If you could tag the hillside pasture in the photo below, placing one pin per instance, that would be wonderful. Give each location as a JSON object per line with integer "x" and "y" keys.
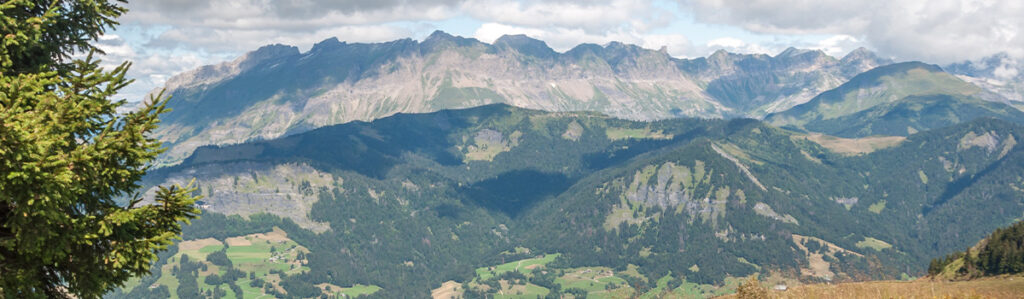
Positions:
{"x": 992, "y": 287}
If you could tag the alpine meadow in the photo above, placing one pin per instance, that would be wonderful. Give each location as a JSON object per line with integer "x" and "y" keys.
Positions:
{"x": 511, "y": 149}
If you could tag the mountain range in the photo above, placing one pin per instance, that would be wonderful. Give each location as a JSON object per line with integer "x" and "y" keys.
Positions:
{"x": 999, "y": 73}
{"x": 277, "y": 91}
{"x": 896, "y": 99}
{"x": 404, "y": 165}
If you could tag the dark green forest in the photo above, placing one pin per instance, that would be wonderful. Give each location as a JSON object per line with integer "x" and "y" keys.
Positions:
{"x": 1002, "y": 252}
{"x": 602, "y": 195}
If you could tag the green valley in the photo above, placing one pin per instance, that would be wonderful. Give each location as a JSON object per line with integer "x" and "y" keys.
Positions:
{"x": 682, "y": 205}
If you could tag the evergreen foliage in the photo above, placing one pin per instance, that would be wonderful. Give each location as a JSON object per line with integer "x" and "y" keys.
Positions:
{"x": 219, "y": 258}
{"x": 67, "y": 155}
{"x": 1002, "y": 252}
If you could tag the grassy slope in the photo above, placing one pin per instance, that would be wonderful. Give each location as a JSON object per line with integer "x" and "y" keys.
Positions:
{"x": 525, "y": 266}
{"x": 877, "y": 86}
{"x": 257, "y": 253}
{"x": 599, "y": 282}
{"x": 898, "y": 99}
{"x": 992, "y": 287}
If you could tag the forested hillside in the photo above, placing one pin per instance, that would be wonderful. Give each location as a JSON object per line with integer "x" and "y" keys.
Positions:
{"x": 1002, "y": 252}
{"x": 410, "y": 201}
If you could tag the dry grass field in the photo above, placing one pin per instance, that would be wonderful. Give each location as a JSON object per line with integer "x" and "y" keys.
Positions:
{"x": 853, "y": 146}
{"x": 991, "y": 287}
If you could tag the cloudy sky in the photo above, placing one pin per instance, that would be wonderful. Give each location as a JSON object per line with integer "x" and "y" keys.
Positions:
{"x": 165, "y": 37}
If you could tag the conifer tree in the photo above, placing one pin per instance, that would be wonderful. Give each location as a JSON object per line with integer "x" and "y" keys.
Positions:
{"x": 72, "y": 223}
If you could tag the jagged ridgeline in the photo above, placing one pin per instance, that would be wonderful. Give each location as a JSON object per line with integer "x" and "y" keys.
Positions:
{"x": 407, "y": 202}
{"x": 277, "y": 90}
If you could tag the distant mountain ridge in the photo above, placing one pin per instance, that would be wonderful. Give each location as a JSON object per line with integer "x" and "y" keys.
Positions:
{"x": 278, "y": 90}
{"x": 897, "y": 99}
{"x": 999, "y": 73}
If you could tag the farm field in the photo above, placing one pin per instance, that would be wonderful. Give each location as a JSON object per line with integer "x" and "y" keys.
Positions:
{"x": 349, "y": 292}
{"x": 258, "y": 263}
{"x": 524, "y": 266}
{"x": 537, "y": 276}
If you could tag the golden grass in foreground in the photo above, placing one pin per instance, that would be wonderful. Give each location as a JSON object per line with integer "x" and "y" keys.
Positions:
{"x": 991, "y": 287}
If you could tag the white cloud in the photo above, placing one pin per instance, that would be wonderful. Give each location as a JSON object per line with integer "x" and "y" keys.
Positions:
{"x": 838, "y": 45}
{"x": 590, "y": 17}
{"x": 734, "y": 45}
{"x": 242, "y": 25}
{"x": 236, "y": 40}
{"x": 564, "y": 39}
{"x": 677, "y": 45}
{"x": 566, "y": 24}
{"x": 939, "y": 31}
{"x": 560, "y": 39}
{"x": 283, "y": 15}
{"x": 149, "y": 69}
{"x": 727, "y": 42}
{"x": 490, "y": 32}
{"x": 184, "y": 34}
{"x": 188, "y": 33}
{"x": 114, "y": 46}
{"x": 1005, "y": 72}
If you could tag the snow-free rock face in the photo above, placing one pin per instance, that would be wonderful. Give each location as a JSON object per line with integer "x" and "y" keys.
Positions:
{"x": 277, "y": 90}
{"x": 211, "y": 74}
{"x": 756, "y": 85}
{"x": 246, "y": 188}
{"x": 861, "y": 60}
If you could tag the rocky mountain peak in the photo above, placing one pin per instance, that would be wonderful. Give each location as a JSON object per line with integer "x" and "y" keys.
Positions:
{"x": 326, "y": 44}
{"x": 525, "y": 45}
{"x": 583, "y": 49}
{"x": 265, "y": 53}
{"x": 860, "y": 53}
{"x": 619, "y": 48}
{"x": 213, "y": 73}
{"x": 720, "y": 54}
{"x": 803, "y": 58}
{"x": 794, "y": 52}
{"x": 440, "y": 40}
{"x": 861, "y": 60}
{"x": 439, "y": 35}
